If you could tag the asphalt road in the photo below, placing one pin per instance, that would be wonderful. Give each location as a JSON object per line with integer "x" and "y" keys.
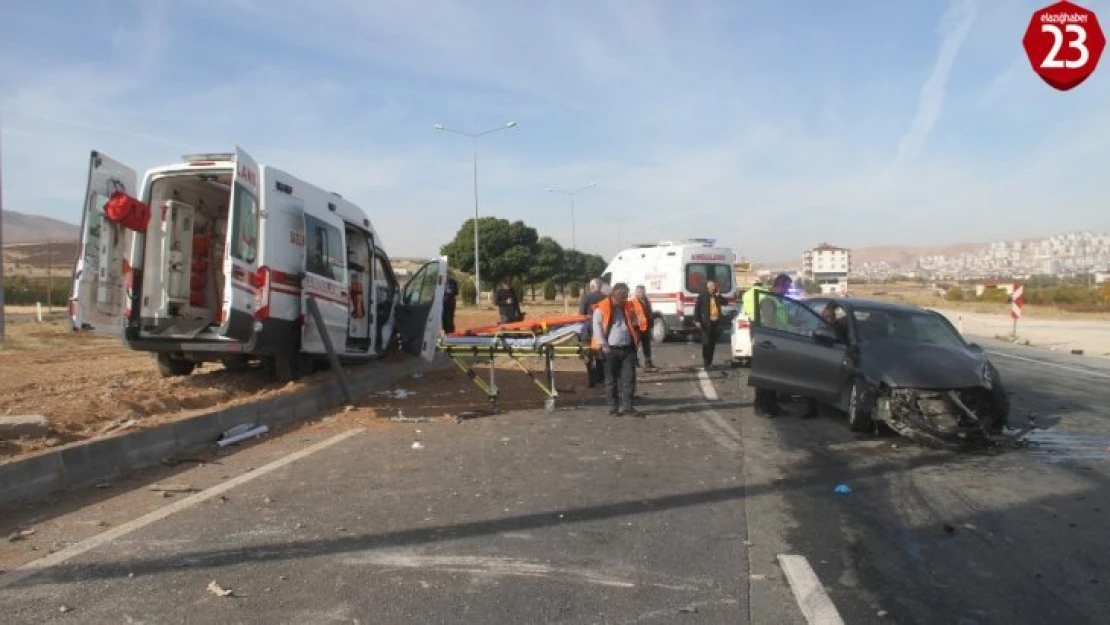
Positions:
{"x": 578, "y": 517}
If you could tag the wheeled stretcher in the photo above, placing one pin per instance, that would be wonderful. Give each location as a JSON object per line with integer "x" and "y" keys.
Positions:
{"x": 546, "y": 339}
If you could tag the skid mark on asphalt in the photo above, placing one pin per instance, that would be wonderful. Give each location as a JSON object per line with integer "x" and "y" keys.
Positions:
{"x": 37, "y": 566}
{"x": 505, "y": 567}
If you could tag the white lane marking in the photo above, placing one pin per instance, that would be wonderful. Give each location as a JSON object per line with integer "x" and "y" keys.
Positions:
{"x": 1047, "y": 363}
{"x": 37, "y": 566}
{"x": 707, "y": 385}
{"x": 722, "y": 439}
{"x": 808, "y": 591}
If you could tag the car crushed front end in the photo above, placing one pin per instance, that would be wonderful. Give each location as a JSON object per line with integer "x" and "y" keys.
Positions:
{"x": 942, "y": 417}
{"x": 955, "y": 401}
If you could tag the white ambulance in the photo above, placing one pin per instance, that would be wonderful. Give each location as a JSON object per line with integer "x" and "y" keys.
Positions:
{"x": 674, "y": 273}
{"x": 217, "y": 261}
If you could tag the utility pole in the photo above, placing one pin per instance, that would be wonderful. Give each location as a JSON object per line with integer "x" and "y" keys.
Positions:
{"x": 474, "y": 136}
{"x": 571, "y": 193}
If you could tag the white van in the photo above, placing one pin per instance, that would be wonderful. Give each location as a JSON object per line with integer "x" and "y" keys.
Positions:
{"x": 674, "y": 273}
{"x": 223, "y": 270}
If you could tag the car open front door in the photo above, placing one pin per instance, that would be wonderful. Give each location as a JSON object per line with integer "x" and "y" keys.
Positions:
{"x": 241, "y": 258}
{"x": 792, "y": 350}
{"x": 102, "y": 277}
{"x": 420, "y": 312}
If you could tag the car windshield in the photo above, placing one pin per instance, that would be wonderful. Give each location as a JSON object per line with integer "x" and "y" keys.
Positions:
{"x": 911, "y": 326}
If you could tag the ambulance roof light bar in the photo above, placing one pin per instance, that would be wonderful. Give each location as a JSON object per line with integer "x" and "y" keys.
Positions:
{"x": 216, "y": 156}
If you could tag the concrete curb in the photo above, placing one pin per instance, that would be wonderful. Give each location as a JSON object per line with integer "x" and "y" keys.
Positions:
{"x": 90, "y": 462}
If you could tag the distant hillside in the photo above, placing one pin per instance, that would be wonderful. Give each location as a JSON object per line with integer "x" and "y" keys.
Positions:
{"x": 24, "y": 228}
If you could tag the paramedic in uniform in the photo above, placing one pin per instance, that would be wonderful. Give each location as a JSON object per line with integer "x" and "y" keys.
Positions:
{"x": 615, "y": 336}
{"x": 595, "y": 365}
{"x": 772, "y": 314}
{"x": 708, "y": 316}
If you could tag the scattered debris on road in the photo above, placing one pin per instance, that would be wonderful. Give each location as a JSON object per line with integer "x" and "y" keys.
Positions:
{"x": 174, "y": 488}
{"x": 219, "y": 591}
{"x": 241, "y": 432}
{"x": 401, "y": 418}
{"x": 65, "y": 609}
{"x": 418, "y": 445}
{"x": 398, "y": 393}
{"x": 20, "y": 535}
{"x": 843, "y": 489}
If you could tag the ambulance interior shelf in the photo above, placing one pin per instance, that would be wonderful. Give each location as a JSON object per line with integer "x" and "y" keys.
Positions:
{"x": 184, "y": 280}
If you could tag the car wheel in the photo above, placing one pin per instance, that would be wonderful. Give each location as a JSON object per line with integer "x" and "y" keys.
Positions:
{"x": 171, "y": 367}
{"x": 658, "y": 330}
{"x": 860, "y": 407}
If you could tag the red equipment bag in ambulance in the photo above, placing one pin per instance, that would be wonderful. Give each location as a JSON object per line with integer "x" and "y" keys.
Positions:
{"x": 127, "y": 212}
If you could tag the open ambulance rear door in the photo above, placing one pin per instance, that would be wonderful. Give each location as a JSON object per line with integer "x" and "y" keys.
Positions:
{"x": 420, "y": 311}
{"x": 102, "y": 275}
{"x": 241, "y": 302}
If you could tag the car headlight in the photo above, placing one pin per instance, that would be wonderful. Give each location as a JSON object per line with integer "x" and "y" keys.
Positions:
{"x": 987, "y": 375}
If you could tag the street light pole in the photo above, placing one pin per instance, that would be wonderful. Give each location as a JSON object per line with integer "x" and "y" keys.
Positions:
{"x": 474, "y": 136}
{"x": 572, "y": 193}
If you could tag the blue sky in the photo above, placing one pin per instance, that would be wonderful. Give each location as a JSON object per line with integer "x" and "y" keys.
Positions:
{"x": 769, "y": 126}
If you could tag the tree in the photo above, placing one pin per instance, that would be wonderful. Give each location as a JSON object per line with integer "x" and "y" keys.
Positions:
{"x": 506, "y": 248}
{"x": 593, "y": 266}
{"x": 572, "y": 271}
{"x": 547, "y": 262}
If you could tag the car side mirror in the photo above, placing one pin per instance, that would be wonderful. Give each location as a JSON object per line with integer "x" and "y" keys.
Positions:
{"x": 825, "y": 334}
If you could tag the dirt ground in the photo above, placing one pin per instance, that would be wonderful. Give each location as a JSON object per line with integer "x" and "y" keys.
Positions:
{"x": 87, "y": 386}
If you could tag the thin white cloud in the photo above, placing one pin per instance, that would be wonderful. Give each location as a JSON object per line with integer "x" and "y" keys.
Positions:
{"x": 955, "y": 25}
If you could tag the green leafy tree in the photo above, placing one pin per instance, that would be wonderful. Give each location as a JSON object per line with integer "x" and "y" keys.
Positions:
{"x": 547, "y": 261}
{"x": 572, "y": 271}
{"x": 549, "y": 290}
{"x": 505, "y": 246}
{"x": 467, "y": 292}
{"x": 593, "y": 267}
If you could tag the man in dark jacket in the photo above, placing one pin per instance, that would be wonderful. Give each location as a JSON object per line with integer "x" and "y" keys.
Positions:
{"x": 649, "y": 315}
{"x": 450, "y": 299}
{"x": 595, "y": 364}
{"x": 508, "y": 304}
{"x": 709, "y": 317}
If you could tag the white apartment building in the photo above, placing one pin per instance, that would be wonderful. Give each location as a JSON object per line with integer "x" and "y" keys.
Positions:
{"x": 828, "y": 266}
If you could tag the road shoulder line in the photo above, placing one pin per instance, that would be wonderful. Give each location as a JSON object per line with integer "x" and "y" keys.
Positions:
{"x": 37, "y": 566}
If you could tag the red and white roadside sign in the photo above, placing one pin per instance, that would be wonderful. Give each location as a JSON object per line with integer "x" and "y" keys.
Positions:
{"x": 1064, "y": 43}
{"x": 1016, "y": 302}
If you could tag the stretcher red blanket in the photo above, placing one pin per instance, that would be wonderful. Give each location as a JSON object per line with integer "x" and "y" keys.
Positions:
{"x": 535, "y": 326}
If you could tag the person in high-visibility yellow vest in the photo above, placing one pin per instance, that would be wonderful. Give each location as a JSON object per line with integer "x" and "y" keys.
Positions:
{"x": 772, "y": 314}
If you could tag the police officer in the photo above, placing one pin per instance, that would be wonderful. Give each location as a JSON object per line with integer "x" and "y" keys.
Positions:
{"x": 772, "y": 314}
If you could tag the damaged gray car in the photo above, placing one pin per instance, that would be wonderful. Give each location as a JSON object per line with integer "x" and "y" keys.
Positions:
{"x": 875, "y": 361}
